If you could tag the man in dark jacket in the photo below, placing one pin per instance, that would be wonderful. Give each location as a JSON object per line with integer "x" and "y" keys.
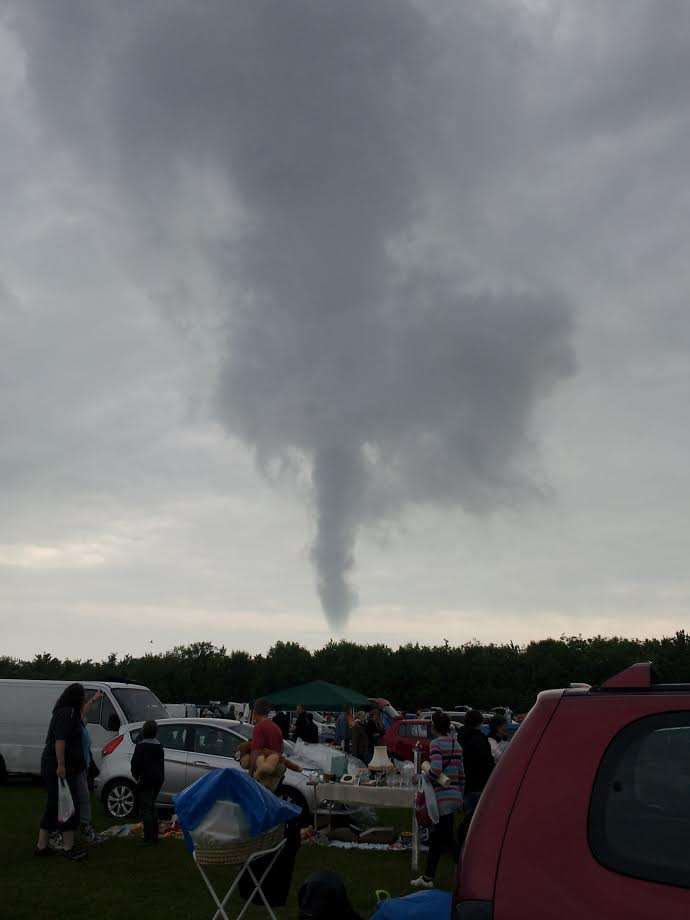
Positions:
{"x": 301, "y": 730}
{"x": 311, "y": 732}
{"x": 148, "y": 769}
{"x": 478, "y": 762}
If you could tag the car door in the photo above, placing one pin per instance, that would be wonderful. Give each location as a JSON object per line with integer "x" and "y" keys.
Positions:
{"x": 213, "y": 748}
{"x": 102, "y": 721}
{"x": 404, "y": 743}
{"x": 174, "y": 737}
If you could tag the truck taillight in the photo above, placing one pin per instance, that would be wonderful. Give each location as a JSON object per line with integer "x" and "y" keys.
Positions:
{"x": 111, "y": 745}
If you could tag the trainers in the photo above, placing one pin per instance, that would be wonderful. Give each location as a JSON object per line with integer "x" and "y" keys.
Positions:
{"x": 422, "y": 882}
{"x": 42, "y": 851}
{"x": 74, "y": 854}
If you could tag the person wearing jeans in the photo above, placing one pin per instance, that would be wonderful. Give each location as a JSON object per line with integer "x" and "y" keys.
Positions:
{"x": 447, "y": 775}
{"x": 148, "y": 769}
{"x": 61, "y": 762}
{"x": 86, "y": 827}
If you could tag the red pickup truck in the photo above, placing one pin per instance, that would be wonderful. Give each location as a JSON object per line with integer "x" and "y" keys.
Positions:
{"x": 587, "y": 814}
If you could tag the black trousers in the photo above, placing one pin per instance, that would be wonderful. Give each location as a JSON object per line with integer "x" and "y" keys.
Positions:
{"x": 441, "y": 837}
{"x": 147, "y": 807}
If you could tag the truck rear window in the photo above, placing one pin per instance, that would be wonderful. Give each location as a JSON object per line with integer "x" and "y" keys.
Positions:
{"x": 639, "y": 818}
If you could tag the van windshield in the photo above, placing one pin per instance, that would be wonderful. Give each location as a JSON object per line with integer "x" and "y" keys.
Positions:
{"x": 139, "y": 705}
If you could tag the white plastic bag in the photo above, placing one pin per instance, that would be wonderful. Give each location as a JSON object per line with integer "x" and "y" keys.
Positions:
{"x": 224, "y": 824}
{"x": 430, "y": 799}
{"x": 320, "y": 757}
{"x": 65, "y": 803}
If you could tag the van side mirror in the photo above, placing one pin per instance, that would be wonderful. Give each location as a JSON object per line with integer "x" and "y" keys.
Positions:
{"x": 113, "y": 723}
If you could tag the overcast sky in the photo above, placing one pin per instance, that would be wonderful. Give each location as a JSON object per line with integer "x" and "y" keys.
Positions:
{"x": 342, "y": 319}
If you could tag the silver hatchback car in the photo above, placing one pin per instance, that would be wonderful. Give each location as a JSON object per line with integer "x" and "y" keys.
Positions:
{"x": 192, "y": 748}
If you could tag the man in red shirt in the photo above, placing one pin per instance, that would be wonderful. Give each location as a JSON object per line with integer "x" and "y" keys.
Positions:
{"x": 266, "y": 736}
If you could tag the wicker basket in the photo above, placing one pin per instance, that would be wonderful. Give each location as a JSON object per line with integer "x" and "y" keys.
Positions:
{"x": 241, "y": 851}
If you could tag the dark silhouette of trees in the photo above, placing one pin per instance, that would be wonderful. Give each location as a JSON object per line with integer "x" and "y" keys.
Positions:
{"x": 410, "y": 676}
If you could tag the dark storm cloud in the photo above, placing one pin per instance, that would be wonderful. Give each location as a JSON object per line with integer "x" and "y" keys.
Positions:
{"x": 329, "y": 128}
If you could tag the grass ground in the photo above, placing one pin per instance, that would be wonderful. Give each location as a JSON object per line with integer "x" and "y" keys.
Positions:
{"x": 122, "y": 880}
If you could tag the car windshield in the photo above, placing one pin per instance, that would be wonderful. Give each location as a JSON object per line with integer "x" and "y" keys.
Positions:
{"x": 139, "y": 705}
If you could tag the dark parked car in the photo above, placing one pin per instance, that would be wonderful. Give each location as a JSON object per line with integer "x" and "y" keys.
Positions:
{"x": 587, "y": 814}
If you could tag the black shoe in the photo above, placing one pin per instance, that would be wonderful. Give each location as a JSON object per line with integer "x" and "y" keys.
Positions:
{"x": 74, "y": 854}
{"x": 42, "y": 852}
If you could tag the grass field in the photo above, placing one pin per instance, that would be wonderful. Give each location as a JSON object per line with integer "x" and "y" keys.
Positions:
{"x": 122, "y": 879}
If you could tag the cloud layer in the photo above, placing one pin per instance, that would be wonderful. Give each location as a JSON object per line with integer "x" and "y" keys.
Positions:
{"x": 368, "y": 239}
{"x": 321, "y": 124}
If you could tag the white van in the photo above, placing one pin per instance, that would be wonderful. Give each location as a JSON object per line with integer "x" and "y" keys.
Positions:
{"x": 27, "y": 705}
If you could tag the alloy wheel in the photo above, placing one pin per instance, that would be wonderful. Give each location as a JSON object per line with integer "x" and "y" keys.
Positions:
{"x": 120, "y": 800}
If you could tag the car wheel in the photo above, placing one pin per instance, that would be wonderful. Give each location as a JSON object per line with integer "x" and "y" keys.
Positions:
{"x": 120, "y": 799}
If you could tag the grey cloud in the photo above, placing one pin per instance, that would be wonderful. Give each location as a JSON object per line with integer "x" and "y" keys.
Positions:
{"x": 329, "y": 129}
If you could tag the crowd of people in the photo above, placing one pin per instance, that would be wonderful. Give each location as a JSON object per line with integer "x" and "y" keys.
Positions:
{"x": 356, "y": 733}
{"x": 459, "y": 766}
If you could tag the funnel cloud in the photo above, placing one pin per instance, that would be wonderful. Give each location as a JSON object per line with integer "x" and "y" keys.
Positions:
{"x": 401, "y": 362}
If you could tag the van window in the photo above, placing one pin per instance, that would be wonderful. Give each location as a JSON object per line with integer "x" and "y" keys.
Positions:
{"x": 93, "y": 716}
{"x": 139, "y": 705}
{"x": 639, "y": 820}
{"x": 109, "y": 718}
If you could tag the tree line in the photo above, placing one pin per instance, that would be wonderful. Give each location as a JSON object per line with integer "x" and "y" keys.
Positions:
{"x": 410, "y": 676}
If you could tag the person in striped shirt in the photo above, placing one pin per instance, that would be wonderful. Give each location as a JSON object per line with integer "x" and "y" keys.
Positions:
{"x": 448, "y": 778}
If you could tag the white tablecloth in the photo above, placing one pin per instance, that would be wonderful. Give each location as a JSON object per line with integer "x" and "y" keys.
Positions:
{"x": 377, "y": 797}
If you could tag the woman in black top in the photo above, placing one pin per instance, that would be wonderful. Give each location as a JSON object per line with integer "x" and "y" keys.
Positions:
{"x": 62, "y": 761}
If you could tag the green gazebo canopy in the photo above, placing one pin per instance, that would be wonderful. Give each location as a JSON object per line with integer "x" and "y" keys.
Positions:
{"x": 317, "y": 694}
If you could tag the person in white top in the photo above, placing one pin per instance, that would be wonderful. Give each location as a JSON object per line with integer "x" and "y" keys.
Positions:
{"x": 498, "y": 736}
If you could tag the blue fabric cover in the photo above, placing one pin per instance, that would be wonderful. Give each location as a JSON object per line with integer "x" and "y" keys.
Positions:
{"x": 262, "y": 809}
{"x": 423, "y": 905}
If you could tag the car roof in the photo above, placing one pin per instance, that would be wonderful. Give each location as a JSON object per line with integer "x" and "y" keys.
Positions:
{"x": 195, "y": 720}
